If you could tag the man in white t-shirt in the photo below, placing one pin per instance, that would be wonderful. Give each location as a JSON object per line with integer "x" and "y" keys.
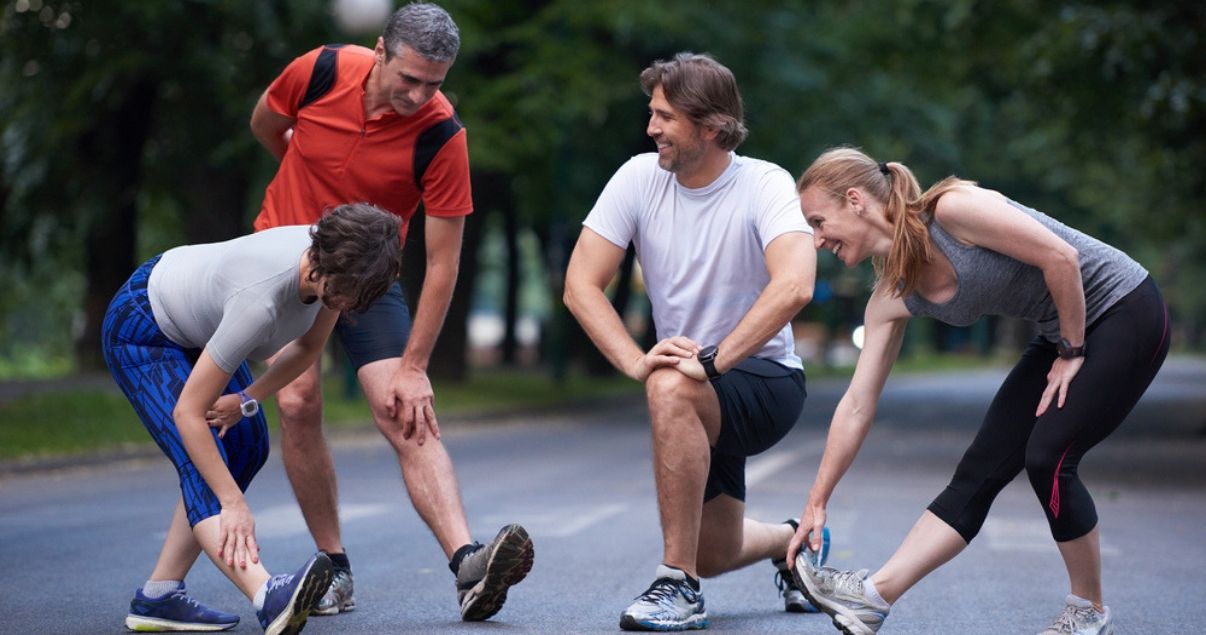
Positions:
{"x": 727, "y": 261}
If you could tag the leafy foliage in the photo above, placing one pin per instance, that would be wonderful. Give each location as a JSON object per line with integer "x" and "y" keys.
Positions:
{"x": 1091, "y": 111}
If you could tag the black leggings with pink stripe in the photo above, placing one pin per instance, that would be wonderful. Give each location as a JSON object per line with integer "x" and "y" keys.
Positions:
{"x": 1125, "y": 348}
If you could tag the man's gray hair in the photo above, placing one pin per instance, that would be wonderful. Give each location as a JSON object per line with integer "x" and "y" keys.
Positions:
{"x": 424, "y": 28}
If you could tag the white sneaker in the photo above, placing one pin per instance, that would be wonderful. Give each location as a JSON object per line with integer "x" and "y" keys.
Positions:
{"x": 669, "y": 604}
{"x": 1080, "y": 618}
{"x": 840, "y": 595}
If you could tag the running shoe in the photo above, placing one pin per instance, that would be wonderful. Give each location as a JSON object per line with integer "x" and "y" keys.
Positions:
{"x": 176, "y": 611}
{"x": 793, "y": 599}
{"x": 840, "y": 595}
{"x": 669, "y": 604}
{"x": 1080, "y": 618}
{"x": 291, "y": 596}
{"x": 486, "y": 574}
{"x": 338, "y": 598}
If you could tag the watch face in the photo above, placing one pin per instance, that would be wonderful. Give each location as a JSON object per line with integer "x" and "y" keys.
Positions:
{"x": 250, "y": 408}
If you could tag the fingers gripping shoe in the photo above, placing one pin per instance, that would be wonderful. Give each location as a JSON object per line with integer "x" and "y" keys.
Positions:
{"x": 291, "y": 596}
{"x": 338, "y": 598}
{"x": 669, "y": 604}
{"x": 1080, "y": 618}
{"x": 486, "y": 574}
{"x": 176, "y": 611}
{"x": 840, "y": 595}
{"x": 793, "y": 599}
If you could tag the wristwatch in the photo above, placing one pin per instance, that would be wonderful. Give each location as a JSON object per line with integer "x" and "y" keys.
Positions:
{"x": 250, "y": 407}
{"x": 1066, "y": 350}
{"x": 707, "y": 358}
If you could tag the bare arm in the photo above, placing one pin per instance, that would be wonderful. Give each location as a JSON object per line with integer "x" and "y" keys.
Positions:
{"x": 296, "y": 357}
{"x": 791, "y": 261}
{"x": 271, "y": 129}
{"x": 411, "y": 399}
{"x": 236, "y": 524}
{"x": 982, "y": 217}
{"x": 592, "y": 265}
{"x": 885, "y": 321}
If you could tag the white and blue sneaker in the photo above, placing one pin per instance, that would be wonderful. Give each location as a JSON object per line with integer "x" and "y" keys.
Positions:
{"x": 669, "y": 604}
{"x": 793, "y": 599}
{"x": 176, "y": 611}
{"x": 1080, "y": 618}
{"x": 291, "y": 596}
{"x": 840, "y": 595}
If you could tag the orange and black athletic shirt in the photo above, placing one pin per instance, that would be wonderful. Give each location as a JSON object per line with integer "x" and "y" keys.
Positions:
{"x": 335, "y": 156}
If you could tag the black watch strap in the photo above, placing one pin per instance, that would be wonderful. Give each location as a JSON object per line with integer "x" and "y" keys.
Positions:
{"x": 1066, "y": 350}
{"x": 707, "y": 359}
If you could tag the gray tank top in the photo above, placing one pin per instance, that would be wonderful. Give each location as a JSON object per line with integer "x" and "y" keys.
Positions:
{"x": 991, "y": 283}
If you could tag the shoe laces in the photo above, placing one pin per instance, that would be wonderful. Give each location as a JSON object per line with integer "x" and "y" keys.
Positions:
{"x": 662, "y": 591}
{"x": 1072, "y": 618}
{"x": 784, "y": 582}
{"x": 180, "y": 594}
{"x": 844, "y": 582}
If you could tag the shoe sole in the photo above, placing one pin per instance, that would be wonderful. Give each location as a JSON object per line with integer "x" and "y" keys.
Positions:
{"x": 800, "y": 608}
{"x": 346, "y": 607}
{"x": 508, "y": 566}
{"x": 845, "y": 620}
{"x": 630, "y": 623}
{"x": 140, "y": 624}
{"x": 307, "y": 595}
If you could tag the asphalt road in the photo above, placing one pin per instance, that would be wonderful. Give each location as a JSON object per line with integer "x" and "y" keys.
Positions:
{"x": 77, "y": 542}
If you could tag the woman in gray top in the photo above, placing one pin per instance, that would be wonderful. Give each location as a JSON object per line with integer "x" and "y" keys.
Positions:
{"x": 176, "y": 339}
{"x": 955, "y": 253}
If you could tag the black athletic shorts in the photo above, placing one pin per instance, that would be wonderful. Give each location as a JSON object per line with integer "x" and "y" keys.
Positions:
{"x": 760, "y": 402}
{"x": 378, "y": 333}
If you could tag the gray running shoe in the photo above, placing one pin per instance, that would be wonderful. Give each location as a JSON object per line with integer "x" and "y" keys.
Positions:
{"x": 1080, "y": 618}
{"x": 338, "y": 598}
{"x": 840, "y": 595}
{"x": 486, "y": 574}
{"x": 793, "y": 599}
{"x": 669, "y": 604}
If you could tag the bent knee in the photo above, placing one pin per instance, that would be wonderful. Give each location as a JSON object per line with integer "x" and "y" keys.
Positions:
{"x": 300, "y": 406}
{"x": 667, "y": 383}
{"x": 1043, "y": 464}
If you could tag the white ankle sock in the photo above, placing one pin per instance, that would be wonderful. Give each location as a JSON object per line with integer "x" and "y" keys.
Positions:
{"x": 156, "y": 589}
{"x": 872, "y": 594}
{"x": 259, "y": 596}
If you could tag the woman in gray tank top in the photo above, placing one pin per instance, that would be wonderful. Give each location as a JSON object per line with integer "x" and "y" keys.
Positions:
{"x": 955, "y": 253}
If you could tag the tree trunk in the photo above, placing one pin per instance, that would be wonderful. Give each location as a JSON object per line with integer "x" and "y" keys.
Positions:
{"x": 449, "y": 359}
{"x": 510, "y": 342}
{"x": 111, "y": 240}
{"x": 216, "y": 202}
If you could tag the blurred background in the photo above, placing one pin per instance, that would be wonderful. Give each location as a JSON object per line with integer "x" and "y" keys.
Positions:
{"x": 124, "y": 132}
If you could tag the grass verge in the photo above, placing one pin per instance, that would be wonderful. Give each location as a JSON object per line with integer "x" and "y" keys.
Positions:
{"x": 70, "y": 422}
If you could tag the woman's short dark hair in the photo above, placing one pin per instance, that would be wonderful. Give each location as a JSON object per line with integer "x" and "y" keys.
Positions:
{"x": 704, "y": 89}
{"x": 358, "y": 248}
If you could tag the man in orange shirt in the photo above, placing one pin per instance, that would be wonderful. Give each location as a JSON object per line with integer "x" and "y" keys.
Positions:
{"x": 350, "y": 124}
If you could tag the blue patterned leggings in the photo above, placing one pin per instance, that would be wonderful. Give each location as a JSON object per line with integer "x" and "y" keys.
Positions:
{"x": 151, "y": 371}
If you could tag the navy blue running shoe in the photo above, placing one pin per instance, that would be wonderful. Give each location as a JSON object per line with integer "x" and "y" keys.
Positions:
{"x": 291, "y": 596}
{"x": 175, "y": 611}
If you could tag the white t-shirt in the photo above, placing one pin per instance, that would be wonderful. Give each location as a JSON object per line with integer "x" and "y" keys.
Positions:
{"x": 702, "y": 251}
{"x": 239, "y": 299}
